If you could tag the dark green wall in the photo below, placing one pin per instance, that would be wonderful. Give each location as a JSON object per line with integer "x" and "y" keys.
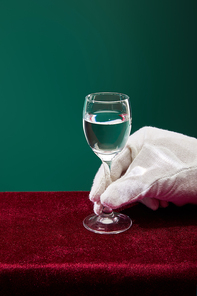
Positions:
{"x": 54, "y": 52}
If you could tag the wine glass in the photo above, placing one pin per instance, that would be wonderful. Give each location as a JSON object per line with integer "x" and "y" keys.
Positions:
{"x": 107, "y": 125}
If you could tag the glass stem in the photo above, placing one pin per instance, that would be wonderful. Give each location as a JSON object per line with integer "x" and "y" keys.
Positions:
{"x": 109, "y": 164}
{"x": 107, "y": 210}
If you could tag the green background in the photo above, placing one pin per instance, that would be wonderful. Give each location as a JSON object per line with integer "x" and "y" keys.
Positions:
{"x": 54, "y": 52}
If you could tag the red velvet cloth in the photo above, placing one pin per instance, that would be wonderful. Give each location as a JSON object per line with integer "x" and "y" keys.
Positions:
{"x": 45, "y": 250}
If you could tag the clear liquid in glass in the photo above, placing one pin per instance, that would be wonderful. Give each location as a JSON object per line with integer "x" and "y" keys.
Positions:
{"x": 107, "y": 132}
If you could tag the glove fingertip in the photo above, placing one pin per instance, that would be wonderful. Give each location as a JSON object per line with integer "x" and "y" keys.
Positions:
{"x": 94, "y": 197}
{"x": 97, "y": 208}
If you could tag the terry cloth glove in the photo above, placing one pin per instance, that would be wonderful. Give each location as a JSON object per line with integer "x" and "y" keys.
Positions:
{"x": 155, "y": 167}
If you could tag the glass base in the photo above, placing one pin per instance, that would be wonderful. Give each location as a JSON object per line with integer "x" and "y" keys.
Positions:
{"x": 112, "y": 223}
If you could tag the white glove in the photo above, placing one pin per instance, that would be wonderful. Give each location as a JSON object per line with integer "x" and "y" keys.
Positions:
{"x": 155, "y": 167}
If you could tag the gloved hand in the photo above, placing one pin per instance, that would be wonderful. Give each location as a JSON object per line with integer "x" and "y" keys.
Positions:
{"x": 155, "y": 167}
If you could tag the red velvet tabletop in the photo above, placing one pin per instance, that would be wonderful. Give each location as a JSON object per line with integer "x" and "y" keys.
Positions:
{"x": 45, "y": 250}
